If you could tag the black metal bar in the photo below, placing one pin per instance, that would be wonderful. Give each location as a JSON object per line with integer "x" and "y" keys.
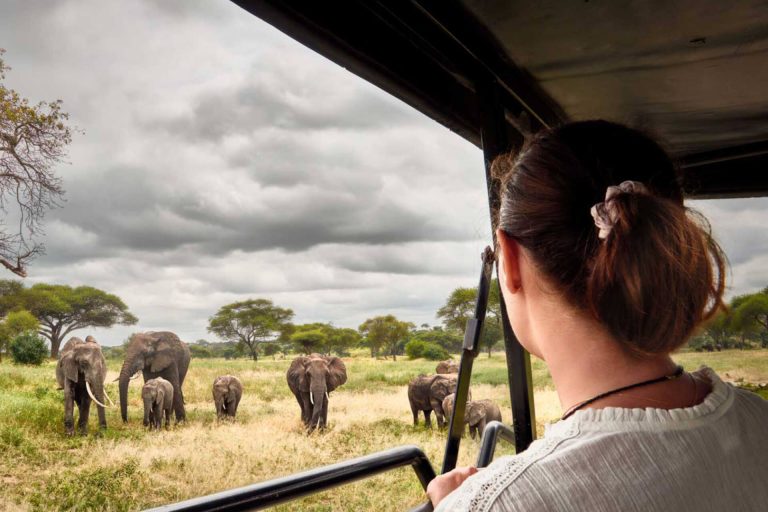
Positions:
{"x": 494, "y": 431}
{"x": 280, "y": 490}
{"x": 496, "y": 140}
{"x": 424, "y": 507}
{"x": 468, "y": 354}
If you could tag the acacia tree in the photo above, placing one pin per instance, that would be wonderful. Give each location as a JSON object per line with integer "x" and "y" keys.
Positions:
{"x": 309, "y": 338}
{"x": 324, "y": 338}
{"x": 251, "y": 323}
{"x": 341, "y": 339}
{"x": 751, "y": 317}
{"x": 33, "y": 139}
{"x": 460, "y": 306}
{"x": 62, "y": 309}
{"x": 385, "y": 332}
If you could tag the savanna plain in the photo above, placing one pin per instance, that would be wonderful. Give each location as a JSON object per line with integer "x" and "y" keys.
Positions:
{"x": 129, "y": 468}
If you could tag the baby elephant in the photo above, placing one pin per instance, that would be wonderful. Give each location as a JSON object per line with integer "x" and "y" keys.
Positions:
{"x": 157, "y": 395}
{"x": 227, "y": 391}
{"x": 477, "y": 414}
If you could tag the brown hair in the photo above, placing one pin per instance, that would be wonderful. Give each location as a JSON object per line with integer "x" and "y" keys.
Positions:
{"x": 657, "y": 275}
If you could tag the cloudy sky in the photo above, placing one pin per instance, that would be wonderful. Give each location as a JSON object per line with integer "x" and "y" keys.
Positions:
{"x": 221, "y": 160}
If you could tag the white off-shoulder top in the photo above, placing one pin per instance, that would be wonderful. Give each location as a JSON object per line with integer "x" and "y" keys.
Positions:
{"x": 710, "y": 457}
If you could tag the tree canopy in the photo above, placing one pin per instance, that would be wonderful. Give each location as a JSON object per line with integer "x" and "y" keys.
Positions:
{"x": 324, "y": 338}
{"x": 744, "y": 322}
{"x": 33, "y": 139}
{"x": 62, "y": 309}
{"x": 460, "y": 306}
{"x": 251, "y": 323}
{"x": 385, "y": 333}
{"x": 309, "y": 338}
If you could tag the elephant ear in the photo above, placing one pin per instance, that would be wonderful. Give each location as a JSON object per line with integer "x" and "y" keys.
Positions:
{"x": 162, "y": 357}
{"x": 69, "y": 367}
{"x": 337, "y": 373}
{"x": 475, "y": 413}
{"x": 297, "y": 373}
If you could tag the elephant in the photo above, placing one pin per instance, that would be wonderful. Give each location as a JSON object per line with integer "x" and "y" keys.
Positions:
{"x": 227, "y": 392}
{"x": 155, "y": 354}
{"x": 426, "y": 393}
{"x": 80, "y": 372}
{"x": 157, "y": 395}
{"x": 448, "y": 366}
{"x": 477, "y": 414}
{"x": 448, "y": 404}
{"x": 311, "y": 379}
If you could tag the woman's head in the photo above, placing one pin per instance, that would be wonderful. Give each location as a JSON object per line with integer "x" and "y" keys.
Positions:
{"x": 656, "y": 275}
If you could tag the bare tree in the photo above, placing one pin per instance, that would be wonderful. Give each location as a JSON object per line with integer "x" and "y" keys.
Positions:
{"x": 33, "y": 138}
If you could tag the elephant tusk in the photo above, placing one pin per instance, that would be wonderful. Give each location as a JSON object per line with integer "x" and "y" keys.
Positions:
{"x": 111, "y": 403}
{"x": 311, "y": 400}
{"x": 327, "y": 397}
{"x": 90, "y": 393}
{"x": 135, "y": 376}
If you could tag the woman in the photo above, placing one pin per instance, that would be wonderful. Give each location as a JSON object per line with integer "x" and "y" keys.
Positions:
{"x": 604, "y": 273}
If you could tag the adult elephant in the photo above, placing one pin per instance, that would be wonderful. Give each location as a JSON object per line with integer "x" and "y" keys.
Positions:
{"x": 80, "y": 372}
{"x": 311, "y": 379}
{"x": 427, "y": 392}
{"x": 155, "y": 354}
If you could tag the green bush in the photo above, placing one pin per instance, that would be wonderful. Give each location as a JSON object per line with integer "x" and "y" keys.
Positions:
{"x": 418, "y": 348}
{"x": 435, "y": 352}
{"x": 199, "y": 352}
{"x": 28, "y": 348}
{"x": 415, "y": 349}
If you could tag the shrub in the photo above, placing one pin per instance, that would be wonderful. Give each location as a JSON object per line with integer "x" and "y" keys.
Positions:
{"x": 199, "y": 352}
{"x": 435, "y": 352}
{"x": 415, "y": 348}
{"x": 28, "y": 348}
{"x": 418, "y": 348}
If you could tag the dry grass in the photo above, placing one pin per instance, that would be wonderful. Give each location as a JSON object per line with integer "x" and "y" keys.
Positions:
{"x": 129, "y": 468}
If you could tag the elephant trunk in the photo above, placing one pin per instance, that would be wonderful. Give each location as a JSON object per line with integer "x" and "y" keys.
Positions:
{"x": 219, "y": 406}
{"x": 318, "y": 394}
{"x": 130, "y": 366}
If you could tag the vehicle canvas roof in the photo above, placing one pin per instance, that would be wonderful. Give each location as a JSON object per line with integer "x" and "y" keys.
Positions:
{"x": 693, "y": 72}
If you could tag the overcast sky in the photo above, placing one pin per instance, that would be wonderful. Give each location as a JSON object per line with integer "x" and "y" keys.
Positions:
{"x": 221, "y": 160}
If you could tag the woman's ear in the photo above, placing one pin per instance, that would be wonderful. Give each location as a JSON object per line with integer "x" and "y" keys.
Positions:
{"x": 509, "y": 262}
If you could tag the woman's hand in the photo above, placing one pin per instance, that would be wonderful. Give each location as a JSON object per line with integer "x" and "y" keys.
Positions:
{"x": 445, "y": 484}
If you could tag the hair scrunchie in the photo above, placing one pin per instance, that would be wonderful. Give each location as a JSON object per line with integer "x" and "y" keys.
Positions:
{"x": 605, "y": 213}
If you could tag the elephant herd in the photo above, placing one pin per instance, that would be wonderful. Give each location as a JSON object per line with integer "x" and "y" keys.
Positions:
{"x": 163, "y": 360}
{"x": 427, "y": 393}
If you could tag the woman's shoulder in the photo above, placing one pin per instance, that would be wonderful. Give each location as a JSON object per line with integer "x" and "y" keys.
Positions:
{"x": 481, "y": 491}
{"x": 625, "y": 440}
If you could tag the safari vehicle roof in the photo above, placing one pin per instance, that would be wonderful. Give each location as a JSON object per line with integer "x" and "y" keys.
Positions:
{"x": 695, "y": 72}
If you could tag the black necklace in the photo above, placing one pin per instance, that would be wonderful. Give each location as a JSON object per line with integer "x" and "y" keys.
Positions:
{"x": 677, "y": 373}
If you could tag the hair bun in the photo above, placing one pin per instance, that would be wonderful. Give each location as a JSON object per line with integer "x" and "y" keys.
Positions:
{"x": 605, "y": 214}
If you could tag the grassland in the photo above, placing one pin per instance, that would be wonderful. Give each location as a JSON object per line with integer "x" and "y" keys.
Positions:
{"x": 128, "y": 468}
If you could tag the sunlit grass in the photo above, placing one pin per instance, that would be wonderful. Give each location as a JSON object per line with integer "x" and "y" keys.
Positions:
{"x": 128, "y": 468}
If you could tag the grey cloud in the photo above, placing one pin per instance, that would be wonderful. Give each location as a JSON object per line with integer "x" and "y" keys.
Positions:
{"x": 275, "y": 99}
{"x": 738, "y": 225}
{"x": 124, "y": 211}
